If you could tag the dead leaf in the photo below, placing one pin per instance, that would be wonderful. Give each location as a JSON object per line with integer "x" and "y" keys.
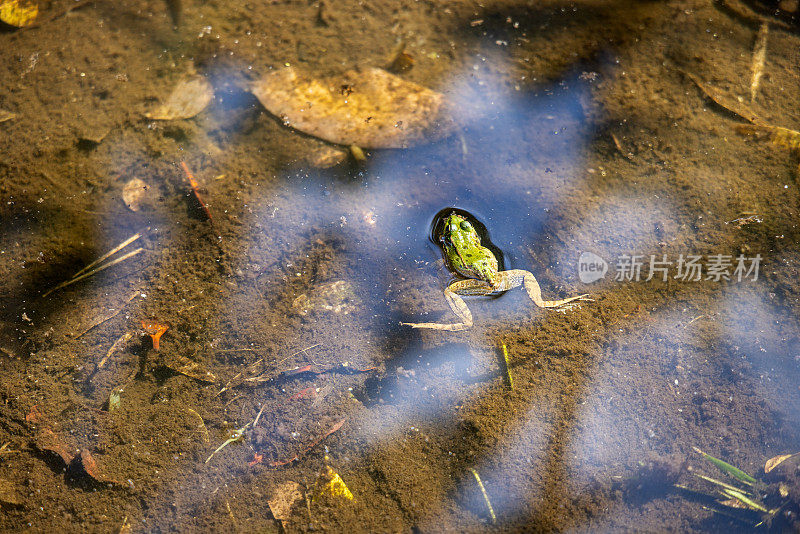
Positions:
{"x": 724, "y": 100}
{"x": 284, "y": 498}
{"x": 134, "y": 194}
{"x": 191, "y": 96}
{"x": 92, "y": 469}
{"x": 48, "y": 441}
{"x": 18, "y": 13}
{"x": 774, "y": 462}
{"x": 369, "y": 108}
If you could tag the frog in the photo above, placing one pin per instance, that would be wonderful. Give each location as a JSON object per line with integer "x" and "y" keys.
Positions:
{"x": 478, "y": 265}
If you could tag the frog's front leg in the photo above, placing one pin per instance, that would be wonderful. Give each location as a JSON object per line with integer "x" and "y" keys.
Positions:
{"x": 457, "y": 304}
{"x": 518, "y": 277}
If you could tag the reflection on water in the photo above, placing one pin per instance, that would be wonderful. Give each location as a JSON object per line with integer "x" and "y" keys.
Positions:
{"x": 576, "y": 133}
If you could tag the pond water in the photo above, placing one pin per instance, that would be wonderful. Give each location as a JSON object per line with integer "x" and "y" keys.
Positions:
{"x": 619, "y": 149}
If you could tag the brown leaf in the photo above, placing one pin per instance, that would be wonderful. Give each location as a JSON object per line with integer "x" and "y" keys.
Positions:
{"x": 134, "y": 194}
{"x": 92, "y": 469}
{"x": 284, "y": 498}
{"x": 187, "y": 99}
{"x": 47, "y": 440}
{"x": 369, "y": 108}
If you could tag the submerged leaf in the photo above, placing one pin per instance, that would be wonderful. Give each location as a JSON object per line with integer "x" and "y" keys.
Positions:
{"x": 134, "y": 193}
{"x": 284, "y": 499}
{"x": 187, "y": 99}
{"x": 725, "y": 467}
{"x": 370, "y": 108}
{"x": 772, "y": 463}
{"x": 18, "y": 13}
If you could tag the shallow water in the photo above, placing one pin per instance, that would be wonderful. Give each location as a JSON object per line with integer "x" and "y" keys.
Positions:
{"x": 578, "y": 131}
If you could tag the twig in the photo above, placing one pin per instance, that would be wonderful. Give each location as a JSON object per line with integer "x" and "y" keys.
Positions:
{"x": 195, "y": 188}
{"x": 97, "y": 322}
{"x": 316, "y": 442}
{"x": 114, "y": 348}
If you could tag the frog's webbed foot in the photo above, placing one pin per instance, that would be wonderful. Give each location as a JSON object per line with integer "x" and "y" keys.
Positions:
{"x": 457, "y": 304}
{"x": 518, "y": 277}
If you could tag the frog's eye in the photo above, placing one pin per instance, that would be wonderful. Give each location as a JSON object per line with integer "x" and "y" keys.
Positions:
{"x": 453, "y": 228}
{"x": 466, "y": 226}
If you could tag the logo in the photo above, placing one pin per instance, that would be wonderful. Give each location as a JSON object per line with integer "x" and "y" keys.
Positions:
{"x": 591, "y": 267}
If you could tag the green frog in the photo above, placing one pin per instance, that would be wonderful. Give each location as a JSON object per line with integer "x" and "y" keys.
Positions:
{"x": 465, "y": 254}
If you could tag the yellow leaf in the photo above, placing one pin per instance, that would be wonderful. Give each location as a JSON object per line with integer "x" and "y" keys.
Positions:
{"x": 772, "y": 463}
{"x": 18, "y": 13}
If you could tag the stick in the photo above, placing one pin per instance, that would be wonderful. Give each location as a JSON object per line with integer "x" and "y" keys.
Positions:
{"x": 195, "y": 187}
{"x": 114, "y": 348}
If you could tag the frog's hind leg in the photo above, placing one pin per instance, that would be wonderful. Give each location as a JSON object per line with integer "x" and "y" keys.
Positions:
{"x": 457, "y": 304}
{"x": 518, "y": 277}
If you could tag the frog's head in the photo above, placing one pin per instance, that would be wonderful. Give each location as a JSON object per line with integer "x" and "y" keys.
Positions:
{"x": 462, "y": 246}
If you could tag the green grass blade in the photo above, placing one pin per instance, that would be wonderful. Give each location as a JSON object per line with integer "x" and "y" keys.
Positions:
{"x": 725, "y": 467}
{"x": 720, "y": 483}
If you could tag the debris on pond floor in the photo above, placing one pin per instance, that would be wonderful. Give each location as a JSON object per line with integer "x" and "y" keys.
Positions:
{"x": 18, "y": 13}
{"x": 186, "y": 367}
{"x": 135, "y": 194}
{"x": 783, "y": 137}
{"x": 326, "y": 157}
{"x": 91, "y": 270}
{"x": 305, "y": 450}
{"x": 188, "y": 98}
{"x": 338, "y": 297}
{"x": 92, "y": 469}
{"x": 283, "y": 499}
{"x": 121, "y": 340}
{"x": 155, "y": 330}
{"x": 505, "y": 365}
{"x": 759, "y": 58}
{"x": 330, "y": 484}
{"x": 196, "y": 189}
{"x": 760, "y": 502}
{"x": 726, "y": 101}
{"x": 485, "y": 495}
{"x": 48, "y": 441}
{"x": 115, "y": 399}
{"x": 6, "y": 115}
{"x": 369, "y": 108}
{"x": 236, "y": 435}
{"x": 201, "y": 425}
{"x": 10, "y": 494}
{"x": 399, "y": 61}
